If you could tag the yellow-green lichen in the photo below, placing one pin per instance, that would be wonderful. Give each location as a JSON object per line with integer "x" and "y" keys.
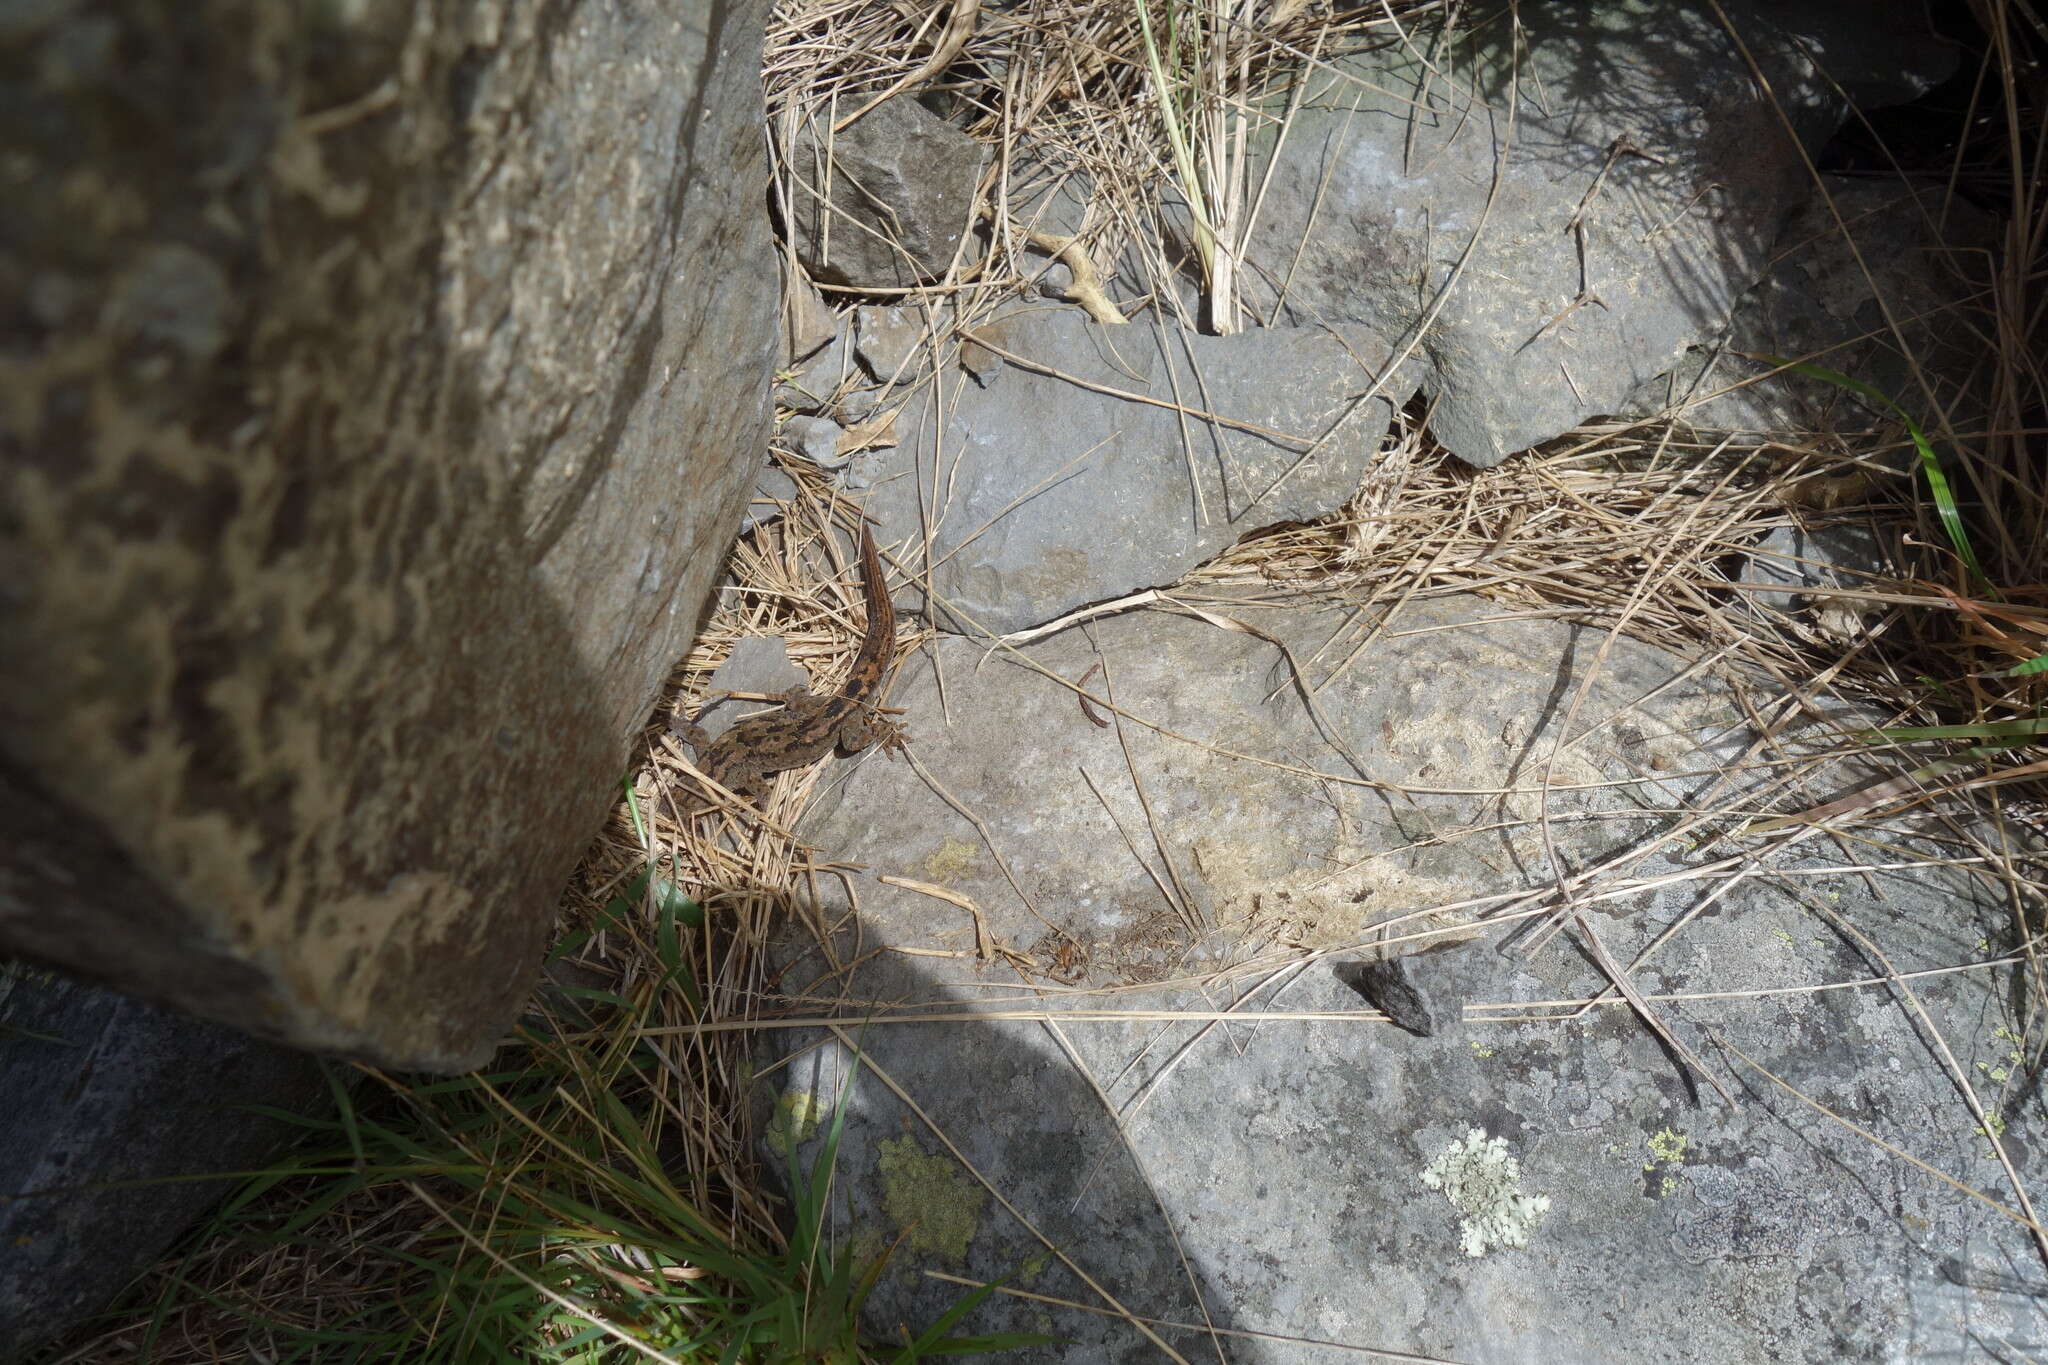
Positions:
{"x": 867, "y": 1243}
{"x": 954, "y": 860}
{"x": 796, "y": 1118}
{"x": 929, "y": 1199}
{"x": 1668, "y": 1147}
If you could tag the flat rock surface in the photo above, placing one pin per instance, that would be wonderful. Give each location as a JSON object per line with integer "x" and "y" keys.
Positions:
{"x": 1073, "y": 462}
{"x": 1267, "y": 1177}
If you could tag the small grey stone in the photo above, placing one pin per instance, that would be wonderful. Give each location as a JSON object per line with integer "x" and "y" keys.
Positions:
{"x": 857, "y": 405}
{"x": 1825, "y": 554}
{"x": 758, "y": 663}
{"x": 888, "y": 339}
{"x": 862, "y": 471}
{"x": 820, "y": 384}
{"x": 808, "y": 322}
{"x": 894, "y": 202}
{"x": 816, "y": 439}
{"x": 980, "y": 362}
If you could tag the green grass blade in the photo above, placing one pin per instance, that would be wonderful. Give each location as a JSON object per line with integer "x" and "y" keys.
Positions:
{"x": 2033, "y": 666}
{"x": 1930, "y": 463}
{"x": 2021, "y": 730}
{"x": 345, "y": 1108}
{"x": 633, "y": 809}
{"x": 934, "y": 1341}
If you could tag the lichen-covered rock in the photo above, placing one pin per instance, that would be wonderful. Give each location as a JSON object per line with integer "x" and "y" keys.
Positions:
{"x": 1175, "y": 1093}
{"x": 380, "y": 385}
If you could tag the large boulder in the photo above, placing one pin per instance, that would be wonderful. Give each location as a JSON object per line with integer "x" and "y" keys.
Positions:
{"x": 381, "y": 386}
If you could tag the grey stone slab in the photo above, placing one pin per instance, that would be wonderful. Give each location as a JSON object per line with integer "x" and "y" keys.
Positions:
{"x": 885, "y": 201}
{"x": 1550, "y": 219}
{"x": 1098, "y": 460}
{"x": 889, "y": 341}
{"x": 1284, "y": 1159}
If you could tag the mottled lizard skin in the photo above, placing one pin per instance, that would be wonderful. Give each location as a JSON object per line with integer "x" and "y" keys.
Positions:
{"x": 809, "y": 727}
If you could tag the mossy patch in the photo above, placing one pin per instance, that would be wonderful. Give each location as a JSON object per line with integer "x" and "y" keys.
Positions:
{"x": 929, "y": 1198}
{"x": 954, "y": 860}
{"x": 796, "y": 1119}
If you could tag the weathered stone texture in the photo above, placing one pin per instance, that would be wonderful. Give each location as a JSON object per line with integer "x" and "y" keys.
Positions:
{"x": 1553, "y": 211}
{"x": 884, "y": 201}
{"x": 112, "y": 1107}
{"x": 379, "y": 384}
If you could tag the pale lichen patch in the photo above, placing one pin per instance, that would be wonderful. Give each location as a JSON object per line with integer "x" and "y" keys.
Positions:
{"x": 1481, "y": 1180}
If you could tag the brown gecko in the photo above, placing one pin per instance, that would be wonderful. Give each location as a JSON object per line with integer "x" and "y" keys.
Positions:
{"x": 809, "y": 727}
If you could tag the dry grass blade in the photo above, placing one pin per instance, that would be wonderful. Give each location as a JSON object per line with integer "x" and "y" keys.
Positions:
{"x": 1874, "y": 1140}
{"x": 1627, "y": 987}
{"x": 1276, "y": 1338}
{"x": 1145, "y": 112}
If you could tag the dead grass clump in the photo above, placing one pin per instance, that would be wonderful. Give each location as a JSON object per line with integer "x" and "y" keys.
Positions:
{"x": 1119, "y": 109}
